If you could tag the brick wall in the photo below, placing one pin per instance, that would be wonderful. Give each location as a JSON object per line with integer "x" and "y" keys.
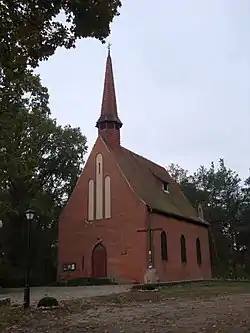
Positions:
{"x": 174, "y": 269}
{"x": 126, "y": 248}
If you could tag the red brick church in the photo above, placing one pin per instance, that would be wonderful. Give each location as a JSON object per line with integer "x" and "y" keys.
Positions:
{"x": 126, "y": 213}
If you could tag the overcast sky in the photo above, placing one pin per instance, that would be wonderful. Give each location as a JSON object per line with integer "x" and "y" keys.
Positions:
{"x": 182, "y": 73}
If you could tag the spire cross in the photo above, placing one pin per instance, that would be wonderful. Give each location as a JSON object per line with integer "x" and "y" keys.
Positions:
{"x": 109, "y": 46}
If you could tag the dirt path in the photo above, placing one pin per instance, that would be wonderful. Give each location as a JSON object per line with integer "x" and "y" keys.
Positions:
{"x": 224, "y": 314}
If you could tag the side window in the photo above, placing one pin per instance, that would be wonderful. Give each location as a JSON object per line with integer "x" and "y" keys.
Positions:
{"x": 83, "y": 263}
{"x": 198, "y": 251}
{"x": 183, "y": 249}
{"x": 164, "y": 247}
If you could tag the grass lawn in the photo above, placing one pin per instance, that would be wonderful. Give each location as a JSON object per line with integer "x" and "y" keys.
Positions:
{"x": 189, "y": 290}
{"x": 195, "y": 307}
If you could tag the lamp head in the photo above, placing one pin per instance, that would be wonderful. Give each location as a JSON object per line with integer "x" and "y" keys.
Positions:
{"x": 29, "y": 214}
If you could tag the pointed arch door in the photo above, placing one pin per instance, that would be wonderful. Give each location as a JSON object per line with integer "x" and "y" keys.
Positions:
{"x": 99, "y": 261}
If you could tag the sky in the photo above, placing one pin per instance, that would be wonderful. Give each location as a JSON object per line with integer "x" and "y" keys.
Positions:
{"x": 182, "y": 76}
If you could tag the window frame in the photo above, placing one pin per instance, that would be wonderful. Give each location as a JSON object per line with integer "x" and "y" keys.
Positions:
{"x": 102, "y": 126}
{"x": 183, "y": 249}
{"x": 166, "y": 190}
{"x": 200, "y": 212}
{"x": 164, "y": 246}
{"x": 198, "y": 251}
{"x": 110, "y": 125}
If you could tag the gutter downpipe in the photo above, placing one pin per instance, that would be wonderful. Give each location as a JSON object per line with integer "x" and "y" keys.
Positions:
{"x": 150, "y": 242}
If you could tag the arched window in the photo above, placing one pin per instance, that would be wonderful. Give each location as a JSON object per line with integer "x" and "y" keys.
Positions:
{"x": 107, "y": 198}
{"x": 183, "y": 249}
{"x": 164, "y": 247}
{"x": 91, "y": 201}
{"x": 99, "y": 187}
{"x": 198, "y": 251}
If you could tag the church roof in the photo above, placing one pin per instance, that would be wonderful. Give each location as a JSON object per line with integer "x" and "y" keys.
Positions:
{"x": 147, "y": 177}
{"x": 144, "y": 176}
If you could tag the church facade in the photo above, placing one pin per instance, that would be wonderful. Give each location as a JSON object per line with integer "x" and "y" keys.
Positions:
{"x": 126, "y": 214}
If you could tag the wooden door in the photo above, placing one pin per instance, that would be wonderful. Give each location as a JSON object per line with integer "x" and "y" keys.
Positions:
{"x": 99, "y": 261}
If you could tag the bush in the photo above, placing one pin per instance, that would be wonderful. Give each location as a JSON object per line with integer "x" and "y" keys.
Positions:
{"x": 148, "y": 287}
{"x": 47, "y": 302}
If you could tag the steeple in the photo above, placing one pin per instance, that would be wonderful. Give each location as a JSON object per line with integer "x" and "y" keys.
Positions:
{"x": 109, "y": 123}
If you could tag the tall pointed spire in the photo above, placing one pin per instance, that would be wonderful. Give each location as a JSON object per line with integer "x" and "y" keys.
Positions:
{"x": 109, "y": 123}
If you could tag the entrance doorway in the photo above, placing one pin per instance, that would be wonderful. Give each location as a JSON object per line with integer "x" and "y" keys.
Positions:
{"x": 99, "y": 261}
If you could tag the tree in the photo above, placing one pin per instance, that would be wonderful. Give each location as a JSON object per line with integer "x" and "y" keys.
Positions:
{"x": 179, "y": 174}
{"x": 40, "y": 162}
{"x": 186, "y": 182}
{"x": 243, "y": 235}
{"x": 31, "y": 30}
{"x": 226, "y": 206}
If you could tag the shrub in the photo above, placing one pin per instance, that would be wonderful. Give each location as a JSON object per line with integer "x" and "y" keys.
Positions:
{"x": 148, "y": 287}
{"x": 47, "y": 302}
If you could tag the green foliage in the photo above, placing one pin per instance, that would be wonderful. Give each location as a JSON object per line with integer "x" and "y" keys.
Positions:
{"x": 177, "y": 173}
{"x": 226, "y": 204}
{"x": 40, "y": 162}
{"x": 47, "y": 302}
{"x": 31, "y": 30}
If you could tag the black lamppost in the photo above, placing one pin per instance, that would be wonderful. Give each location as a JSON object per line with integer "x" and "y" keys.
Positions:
{"x": 1, "y": 225}
{"x": 26, "y": 300}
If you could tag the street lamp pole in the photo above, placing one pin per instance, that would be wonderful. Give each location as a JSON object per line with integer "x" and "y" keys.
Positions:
{"x": 26, "y": 301}
{"x": 1, "y": 225}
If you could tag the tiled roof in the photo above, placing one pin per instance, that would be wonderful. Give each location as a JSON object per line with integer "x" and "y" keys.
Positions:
{"x": 146, "y": 178}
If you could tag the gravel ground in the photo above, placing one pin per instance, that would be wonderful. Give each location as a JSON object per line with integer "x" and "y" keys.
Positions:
{"x": 62, "y": 293}
{"x": 216, "y": 314}
{"x": 224, "y": 314}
